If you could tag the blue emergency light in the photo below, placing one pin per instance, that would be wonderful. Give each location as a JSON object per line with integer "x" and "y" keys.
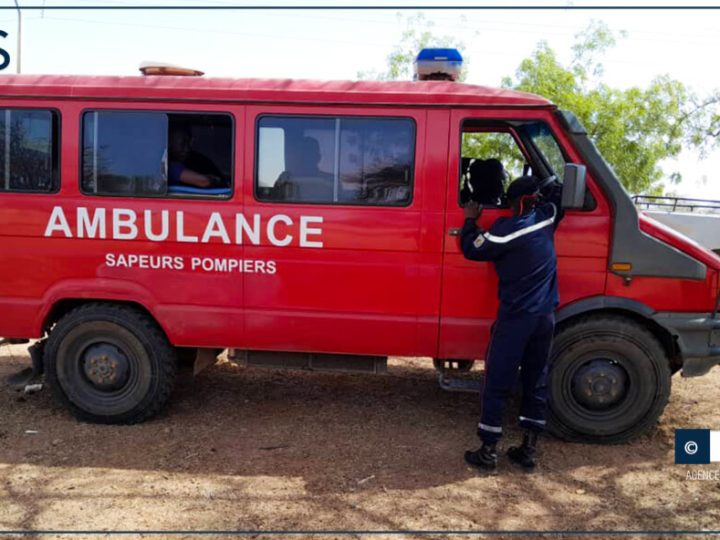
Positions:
{"x": 438, "y": 65}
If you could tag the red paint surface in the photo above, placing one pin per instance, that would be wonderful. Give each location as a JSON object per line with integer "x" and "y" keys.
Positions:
{"x": 386, "y": 281}
{"x": 264, "y": 90}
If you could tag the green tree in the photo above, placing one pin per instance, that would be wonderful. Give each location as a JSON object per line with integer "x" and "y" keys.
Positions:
{"x": 635, "y": 129}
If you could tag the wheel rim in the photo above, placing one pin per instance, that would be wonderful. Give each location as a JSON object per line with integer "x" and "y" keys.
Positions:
{"x": 599, "y": 384}
{"x": 104, "y": 372}
{"x": 105, "y": 366}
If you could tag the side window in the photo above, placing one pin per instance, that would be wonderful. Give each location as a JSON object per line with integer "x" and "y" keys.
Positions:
{"x": 490, "y": 160}
{"x": 29, "y": 150}
{"x": 157, "y": 154}
{"x": 342, "y": 160}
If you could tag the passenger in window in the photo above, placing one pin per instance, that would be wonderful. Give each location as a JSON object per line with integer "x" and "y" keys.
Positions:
{"x": 303, "y": 180}
{"x": 203, "y": 165}
{"x": 486, "y": 183}
{"x": 182, "y": 159}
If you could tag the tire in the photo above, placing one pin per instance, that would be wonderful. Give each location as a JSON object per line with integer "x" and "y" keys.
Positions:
{"x": 109, "y": 364}
{"x": 609, "y": 380}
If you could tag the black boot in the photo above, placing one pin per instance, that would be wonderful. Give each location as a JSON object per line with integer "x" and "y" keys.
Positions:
{"x": 525, "y": 455}
{"x": 484, "y": 458}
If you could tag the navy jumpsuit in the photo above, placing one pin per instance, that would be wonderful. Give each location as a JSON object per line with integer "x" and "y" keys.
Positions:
{"x": 523, "y": 252}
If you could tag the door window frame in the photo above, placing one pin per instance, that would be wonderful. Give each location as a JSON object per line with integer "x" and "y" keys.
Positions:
{"x": 338, "y": 116}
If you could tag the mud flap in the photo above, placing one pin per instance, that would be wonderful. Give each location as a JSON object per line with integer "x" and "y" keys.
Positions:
{"x": 30, "y": 379}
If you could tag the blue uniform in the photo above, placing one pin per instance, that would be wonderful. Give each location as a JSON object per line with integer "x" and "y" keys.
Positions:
{"x": 523, "y": 252}
{"x": 175, "y": 170}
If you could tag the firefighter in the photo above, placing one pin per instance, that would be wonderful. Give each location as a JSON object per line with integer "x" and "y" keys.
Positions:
{"x": 523, "y": 252}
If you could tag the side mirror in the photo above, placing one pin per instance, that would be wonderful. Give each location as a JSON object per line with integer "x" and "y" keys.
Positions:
{"x": 573, "y": 191}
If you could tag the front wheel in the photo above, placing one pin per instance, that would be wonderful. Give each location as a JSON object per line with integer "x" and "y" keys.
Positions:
{"x": 609, "y": 380}
{"x": 109, "y": 364}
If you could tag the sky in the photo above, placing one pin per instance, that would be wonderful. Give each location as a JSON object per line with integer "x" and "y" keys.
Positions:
{"x": 337, "y": 44}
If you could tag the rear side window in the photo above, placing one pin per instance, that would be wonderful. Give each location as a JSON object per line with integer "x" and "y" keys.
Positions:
{"x": 335, "y": 160}
{"x": 29, "y": 150}
{"x": 157, "y": 154}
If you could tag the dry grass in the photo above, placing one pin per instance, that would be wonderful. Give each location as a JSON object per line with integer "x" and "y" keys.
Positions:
{"x": 270, "y": 450}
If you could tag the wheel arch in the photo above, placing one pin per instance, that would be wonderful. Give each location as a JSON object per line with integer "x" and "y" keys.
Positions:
{"x": 68, "y": 294}
{"x": 624, "y": 307}
{"x": 64, "y": 305}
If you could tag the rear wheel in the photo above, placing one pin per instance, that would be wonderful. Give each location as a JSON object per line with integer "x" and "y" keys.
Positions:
{"x": 110, "y": 364}
{"x": 609, "y": 380}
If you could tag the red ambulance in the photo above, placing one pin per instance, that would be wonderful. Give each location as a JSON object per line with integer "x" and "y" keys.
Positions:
{"x": 314, "y": 224}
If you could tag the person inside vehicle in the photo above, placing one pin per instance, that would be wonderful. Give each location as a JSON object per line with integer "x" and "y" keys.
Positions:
{"x": 486, "y": 183}
{"x": 303, "y": 180}
{"x": 523, "y": 252}
{"x": 183, "y": 163}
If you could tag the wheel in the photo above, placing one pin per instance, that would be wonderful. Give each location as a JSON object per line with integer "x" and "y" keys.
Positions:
{"x": 609, "y": 380}
{"x": 454, "y": 366}
{"x": 109, "y": 364}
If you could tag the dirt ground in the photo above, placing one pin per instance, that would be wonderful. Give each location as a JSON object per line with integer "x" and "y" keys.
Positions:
{"x": 252, "y": 449}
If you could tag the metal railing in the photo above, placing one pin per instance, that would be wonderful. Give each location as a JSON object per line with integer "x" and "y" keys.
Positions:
{"x": 676, "y": 204}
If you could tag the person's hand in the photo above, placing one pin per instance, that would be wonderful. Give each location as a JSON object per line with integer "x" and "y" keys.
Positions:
{"x": 472, "y": 210}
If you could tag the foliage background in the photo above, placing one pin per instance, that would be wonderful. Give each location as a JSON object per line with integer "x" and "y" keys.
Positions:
{"x": 635, "y": 128}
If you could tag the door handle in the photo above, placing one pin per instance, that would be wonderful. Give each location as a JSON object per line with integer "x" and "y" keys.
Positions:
{"x": 455, "y": 231}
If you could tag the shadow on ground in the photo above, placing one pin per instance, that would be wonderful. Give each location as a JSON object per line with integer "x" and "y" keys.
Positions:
{"x": 256, "y": 449}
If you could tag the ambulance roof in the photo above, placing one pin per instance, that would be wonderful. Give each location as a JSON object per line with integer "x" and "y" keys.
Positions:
{"x": 438, "y": 93}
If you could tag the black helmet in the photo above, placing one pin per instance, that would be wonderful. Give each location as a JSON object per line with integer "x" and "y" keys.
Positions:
{"x": 485, "y": 181}
{"x": 525, "y": 186}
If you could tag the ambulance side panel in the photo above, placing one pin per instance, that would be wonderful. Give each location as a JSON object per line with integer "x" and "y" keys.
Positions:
{"x": 374, "y": 285}
{"x": 195, "y": 308}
